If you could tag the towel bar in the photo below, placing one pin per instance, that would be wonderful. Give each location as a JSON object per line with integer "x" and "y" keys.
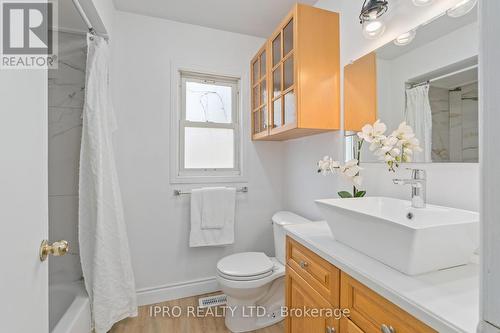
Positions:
{"x": 243, "y": 189}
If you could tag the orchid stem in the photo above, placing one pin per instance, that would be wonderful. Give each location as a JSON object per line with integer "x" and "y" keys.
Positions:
{"x": 358, "y": 158}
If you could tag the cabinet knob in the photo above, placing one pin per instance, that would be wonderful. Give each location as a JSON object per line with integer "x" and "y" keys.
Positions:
{"x": 330, "y": 329}
{"x": 303, "y": 264}
{"x": 387, "y": 329}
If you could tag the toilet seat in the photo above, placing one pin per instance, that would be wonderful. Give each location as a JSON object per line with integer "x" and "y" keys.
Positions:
{"x": 277, "y": 272}
{"x": 245, "y": 266}
{"x": 244, "y": 278}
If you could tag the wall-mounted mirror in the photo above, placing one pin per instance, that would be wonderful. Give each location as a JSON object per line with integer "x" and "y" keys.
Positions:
{"x": 428, "y": 78}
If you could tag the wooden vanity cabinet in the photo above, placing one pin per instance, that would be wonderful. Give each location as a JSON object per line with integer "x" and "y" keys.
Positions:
{"x": 371, "y": 312}
{"x": 312, "y": 282}
{"x": 300, "y": 295}
{"x": 302, "y": 76}
{"x": 348, "y": 326}
{"x": 319, "y": 273}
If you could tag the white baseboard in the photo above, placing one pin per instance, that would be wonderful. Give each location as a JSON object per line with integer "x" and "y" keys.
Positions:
{"x": 177, "y": 290}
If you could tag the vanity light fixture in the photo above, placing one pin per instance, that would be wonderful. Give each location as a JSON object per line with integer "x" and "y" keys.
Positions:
{"x": 371, "y": 11}
{"x": 420, "y": 3}
{"x": 406, "y": 38}
{"x": 461, "y": 8}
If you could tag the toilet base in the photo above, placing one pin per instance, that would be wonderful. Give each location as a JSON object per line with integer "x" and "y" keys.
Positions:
{"x": 244, "y": 316}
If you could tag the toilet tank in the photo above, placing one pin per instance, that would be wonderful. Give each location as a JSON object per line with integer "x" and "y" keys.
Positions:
{"x": 281, "y": 219}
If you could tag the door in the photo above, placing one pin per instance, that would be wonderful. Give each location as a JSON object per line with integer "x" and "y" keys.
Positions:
{"x": 299, "y": 297}
{"x": 23, "y": 200}
{"x": 259, "y": 93}
{"x": 283, "y": 100}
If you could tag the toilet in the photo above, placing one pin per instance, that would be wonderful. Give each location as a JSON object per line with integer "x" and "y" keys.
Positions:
{"x": 255, "y": 283}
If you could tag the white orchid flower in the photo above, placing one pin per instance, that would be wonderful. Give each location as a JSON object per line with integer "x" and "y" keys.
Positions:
{"x": 403, "y": 131}
{"x": 393, "y": 149}
{"x": 389, "y": 158}
{"x": 327, "y": 165}
{"x": 408, "y": 151}
{"x": 357, "y": 181}
{"x": 351, "y": 163}
{"x": 370, "y": 132}
{"x": 390, "y": 141}
{"x": 351, "y": 169}
{"x": 374, "y": 146}
{"x": 395, "y": 152}
{"x": 351, "y": 172}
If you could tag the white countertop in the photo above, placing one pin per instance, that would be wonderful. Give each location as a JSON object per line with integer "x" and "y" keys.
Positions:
{"x": 446, "y": 300}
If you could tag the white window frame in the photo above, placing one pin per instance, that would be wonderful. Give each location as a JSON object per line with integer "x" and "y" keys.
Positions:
{"x": 179, "y": 174}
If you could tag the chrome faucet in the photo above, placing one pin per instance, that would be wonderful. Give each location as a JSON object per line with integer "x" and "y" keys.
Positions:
{"x": 418, "y": 185}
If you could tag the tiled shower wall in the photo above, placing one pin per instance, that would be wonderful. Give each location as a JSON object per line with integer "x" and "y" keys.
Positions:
{"x": 455, "y": 134}
{"x": 440, "y": 105}
{"x": 66, "y": 95}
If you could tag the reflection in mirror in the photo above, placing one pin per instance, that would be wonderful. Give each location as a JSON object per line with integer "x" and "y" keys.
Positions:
{"x": 430, "y": 81}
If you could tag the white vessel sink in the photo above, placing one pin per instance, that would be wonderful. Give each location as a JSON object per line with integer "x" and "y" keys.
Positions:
{"x": 411, "y": 240}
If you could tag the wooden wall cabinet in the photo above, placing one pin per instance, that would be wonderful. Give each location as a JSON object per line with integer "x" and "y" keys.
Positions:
{"x": 302, "y": 77}
{"x": 312, "y": 282}
{"x": 360, "y": 93}
{"x": 260, "y": 92}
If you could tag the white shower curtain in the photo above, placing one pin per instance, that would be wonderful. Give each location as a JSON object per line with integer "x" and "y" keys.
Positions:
{"x": 419, "y": 116}
{"x": 104, "y": 249}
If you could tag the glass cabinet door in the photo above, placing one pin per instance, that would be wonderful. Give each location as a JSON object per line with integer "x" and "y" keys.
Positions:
{"x": 283, "y": 106}
{"x": 259, "y": 94}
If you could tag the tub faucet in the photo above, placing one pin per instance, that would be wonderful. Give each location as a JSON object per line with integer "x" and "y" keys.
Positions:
{"x": 417, "y": 183}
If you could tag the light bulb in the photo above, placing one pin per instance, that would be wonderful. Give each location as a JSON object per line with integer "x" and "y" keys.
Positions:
{"x": 461, "y": 8}
{"x": 406, "y": 38}
{"x": 373, "y": 29}
{"x": 420, "y": 3}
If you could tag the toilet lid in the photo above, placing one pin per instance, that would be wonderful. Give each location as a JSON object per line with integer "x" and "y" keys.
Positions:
{"x": 245, "y": 264}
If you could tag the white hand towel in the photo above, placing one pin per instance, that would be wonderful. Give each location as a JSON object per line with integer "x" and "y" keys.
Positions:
{"x": 212, "y": 216}
{"x": 216, "y": 205}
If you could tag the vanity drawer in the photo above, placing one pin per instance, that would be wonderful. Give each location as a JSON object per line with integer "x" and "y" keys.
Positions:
{"x": 300, "y": 295}
{"x": 371, "y": 312}
{"x": 317, "y": 272}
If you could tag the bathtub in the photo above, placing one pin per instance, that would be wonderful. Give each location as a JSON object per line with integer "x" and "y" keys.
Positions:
{"x": 69, "y": 308}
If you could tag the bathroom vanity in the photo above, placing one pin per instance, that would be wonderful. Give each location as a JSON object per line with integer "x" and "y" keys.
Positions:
{"x": 323, "y": 273}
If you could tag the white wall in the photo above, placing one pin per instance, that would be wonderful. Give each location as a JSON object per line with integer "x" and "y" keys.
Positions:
{"x": 455, "y": 185}
{"x": 105, "y": 10}
{"x": 144, "y": 49}
{"x": 101, "y": 14}
{"x": 489, "y": 118}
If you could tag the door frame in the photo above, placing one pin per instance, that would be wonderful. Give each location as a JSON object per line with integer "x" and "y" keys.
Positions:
{"x": 489, "y": 119}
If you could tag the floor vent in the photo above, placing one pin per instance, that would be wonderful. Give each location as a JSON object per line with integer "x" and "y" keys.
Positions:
{"x": 216, "y": 300}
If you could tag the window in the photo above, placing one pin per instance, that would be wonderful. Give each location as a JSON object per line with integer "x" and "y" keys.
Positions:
{"x": 208, "y": 126}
